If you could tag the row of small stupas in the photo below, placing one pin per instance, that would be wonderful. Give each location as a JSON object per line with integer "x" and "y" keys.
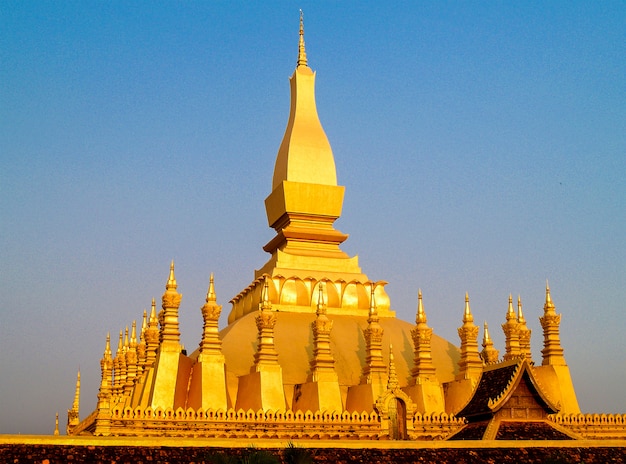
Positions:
{"x": 312, "y": 347}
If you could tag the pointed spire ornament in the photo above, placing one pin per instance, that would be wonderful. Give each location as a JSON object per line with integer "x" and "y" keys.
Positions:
{"x": 171, "y": 281}
{"x": 548, "y": 297}
{"x": 520, "y": 314}
{"x": 265, "y": 321}
{"x": 121, "y": 365}
{"x": 470, "y": 364}
{"x": 392, "y": 382}
{"x": 118, "y": 362}
{"x": 322, "y": 363}
{"x": 170, "y": 334}
{"x": 552, "y": 353}
{"x": 374, "y": 369}
{"x": 152, "y": 336}
{"x": 131, "y": 360}
{"x": 489, "y": 354}
{"x": 421, "y": 334}
{"x": 420, "y": 318}
{"x": 210, "y": 345}
{"x": 265, "y": 304}
{"x": 511, "y": 333}
{"x": 106, "y": 367}
{"x": 56, "y": 425}
{"x": 76, "y": 403}
{"x": 467, "y": 312}
{"x": 141, "y": 346}
{"x": 210, "y": 296}
{"x": 302, "y": 61}
{"x": 321, "y": 305}
{"x": 524, "y": 332}
{"x": 73, "y": 414}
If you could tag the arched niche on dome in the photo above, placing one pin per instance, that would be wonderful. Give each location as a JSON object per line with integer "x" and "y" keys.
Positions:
{"x": 380, "y": 295}
{"x": 331, "y": 295}
{"x": 273, "y": 286}
{"x": 355, "y": 296}
{"x": 294, "y": 292}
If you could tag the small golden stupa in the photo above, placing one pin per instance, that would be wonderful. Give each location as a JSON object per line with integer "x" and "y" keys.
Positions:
{"x": 307, "y": 351}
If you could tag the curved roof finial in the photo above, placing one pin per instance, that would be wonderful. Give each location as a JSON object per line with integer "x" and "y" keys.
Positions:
{"x": 301, "y": 51}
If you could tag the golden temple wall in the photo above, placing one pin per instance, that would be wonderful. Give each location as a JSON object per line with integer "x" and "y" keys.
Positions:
{"x": 250, "y": 424}
{"x": 594, "y": 426}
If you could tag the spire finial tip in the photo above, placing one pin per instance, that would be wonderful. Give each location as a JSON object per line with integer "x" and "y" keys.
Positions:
{"x": 302, "y": 61}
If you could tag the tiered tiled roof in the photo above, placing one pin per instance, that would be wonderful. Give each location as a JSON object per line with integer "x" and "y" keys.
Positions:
{"x": 492, "y": 384}
{"x": 508, "y": 404}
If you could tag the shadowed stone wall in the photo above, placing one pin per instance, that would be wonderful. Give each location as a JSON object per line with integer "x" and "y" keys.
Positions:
{"x": 53, "y": 454}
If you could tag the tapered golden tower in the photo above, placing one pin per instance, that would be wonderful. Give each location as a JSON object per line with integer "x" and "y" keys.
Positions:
{"x": 304, "y": 204}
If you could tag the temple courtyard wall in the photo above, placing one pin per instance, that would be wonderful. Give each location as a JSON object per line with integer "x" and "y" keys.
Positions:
{"x": 52, "y": 450}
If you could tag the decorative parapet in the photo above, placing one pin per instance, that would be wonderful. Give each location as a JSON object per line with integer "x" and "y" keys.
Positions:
{"x": 436, "y": 426}
{"x": 594, "y": 426}
{"x": 243, "y": 424}
{"x": 125, "y": 421}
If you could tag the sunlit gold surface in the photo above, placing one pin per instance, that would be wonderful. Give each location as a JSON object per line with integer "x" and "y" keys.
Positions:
{"x": 308, "y": 346}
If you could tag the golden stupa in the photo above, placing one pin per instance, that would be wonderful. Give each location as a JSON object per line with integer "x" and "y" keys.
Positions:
{"x": 312, "y": 347}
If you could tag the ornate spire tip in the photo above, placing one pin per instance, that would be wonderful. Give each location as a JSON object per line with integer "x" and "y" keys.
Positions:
{"x": 302, "y": 61}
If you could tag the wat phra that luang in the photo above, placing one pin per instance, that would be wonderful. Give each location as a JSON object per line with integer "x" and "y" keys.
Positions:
{"x": 312, "y": 348}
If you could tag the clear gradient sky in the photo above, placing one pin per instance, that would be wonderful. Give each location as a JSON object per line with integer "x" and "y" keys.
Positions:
{"x": 482, "y": 146}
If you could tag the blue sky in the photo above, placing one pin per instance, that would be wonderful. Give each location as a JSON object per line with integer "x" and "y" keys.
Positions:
{"x": 482, "y": 146}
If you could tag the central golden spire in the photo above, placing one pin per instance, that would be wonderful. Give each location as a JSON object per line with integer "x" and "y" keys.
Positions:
{"x": 302, "y": 208}
{"x": 305, "y": 199}
{"x": 304, "y": 154}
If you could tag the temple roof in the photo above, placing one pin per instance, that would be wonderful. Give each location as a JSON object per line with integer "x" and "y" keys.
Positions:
{"x": 496, "y": 385}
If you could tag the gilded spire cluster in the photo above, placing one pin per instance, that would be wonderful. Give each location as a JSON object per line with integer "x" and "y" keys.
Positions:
{"x": 137, "y": 352}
